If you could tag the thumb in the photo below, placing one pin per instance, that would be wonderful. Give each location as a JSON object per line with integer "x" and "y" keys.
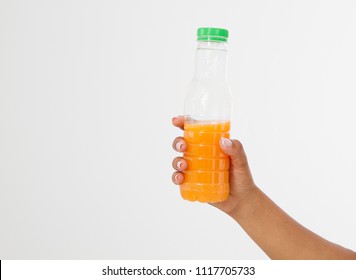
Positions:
{"x": 235, "y": 150}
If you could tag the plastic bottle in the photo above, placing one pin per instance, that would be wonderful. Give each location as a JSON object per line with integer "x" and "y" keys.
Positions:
{"x": 207, "y": 112}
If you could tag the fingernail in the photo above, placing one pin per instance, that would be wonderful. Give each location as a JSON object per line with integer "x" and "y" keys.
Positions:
{"x": 226, "y": 142}
{"x": 174, "y": 118}
{"x": 179, "y": 164}
{"x": 179, "y": 145}
{"x": 176, "y": 177}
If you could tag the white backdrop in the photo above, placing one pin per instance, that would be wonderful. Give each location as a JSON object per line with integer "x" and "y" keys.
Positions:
{"x": 87, "y": 93}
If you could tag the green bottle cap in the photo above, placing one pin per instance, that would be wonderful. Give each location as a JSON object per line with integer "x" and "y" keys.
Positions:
{"x": 212, "y": 34}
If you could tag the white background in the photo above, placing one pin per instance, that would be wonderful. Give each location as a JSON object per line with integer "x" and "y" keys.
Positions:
{"x": 87, "y": 93}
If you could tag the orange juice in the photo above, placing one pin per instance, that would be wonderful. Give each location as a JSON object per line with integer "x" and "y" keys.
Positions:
{"x": 207, "y": 177}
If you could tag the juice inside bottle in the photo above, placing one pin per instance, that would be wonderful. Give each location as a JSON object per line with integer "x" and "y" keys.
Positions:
{"x": 207, "y": 177}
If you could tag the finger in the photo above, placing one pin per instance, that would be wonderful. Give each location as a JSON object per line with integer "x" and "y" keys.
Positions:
{"x": 178, "y": 122}
{"x": 177, "y": 178}
{"x": 180, "y": 164}
{"x": 179, "y": 144}
{"x": 235, "y": 150}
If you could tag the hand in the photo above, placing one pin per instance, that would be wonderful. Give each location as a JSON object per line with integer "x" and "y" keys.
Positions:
{"x": 241, "y": 181}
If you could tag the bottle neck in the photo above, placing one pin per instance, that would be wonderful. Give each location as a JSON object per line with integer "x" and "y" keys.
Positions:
{"x": 211, "y": 60}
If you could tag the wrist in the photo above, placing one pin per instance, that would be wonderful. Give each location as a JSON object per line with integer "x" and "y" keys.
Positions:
{"x": 244, "y": 202}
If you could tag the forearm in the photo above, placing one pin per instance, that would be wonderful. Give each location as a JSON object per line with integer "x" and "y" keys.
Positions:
{"x": 278, "y": 235}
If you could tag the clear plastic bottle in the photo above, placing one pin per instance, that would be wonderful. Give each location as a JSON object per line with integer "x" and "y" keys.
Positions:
{"x": 207, "y": 112}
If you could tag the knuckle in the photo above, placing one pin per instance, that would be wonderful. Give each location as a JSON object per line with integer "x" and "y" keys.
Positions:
{"x": 237, "y": 144}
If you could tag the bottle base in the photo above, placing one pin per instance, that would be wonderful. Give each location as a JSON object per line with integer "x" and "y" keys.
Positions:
{"x": 203, "y": 193}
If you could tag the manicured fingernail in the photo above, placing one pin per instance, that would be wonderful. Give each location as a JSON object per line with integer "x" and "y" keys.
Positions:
{"x": 176, "y": 177}
{"x": 226, "y": 142}
{"x": 179, "y": 145}
{"x": 179, "y": 164}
